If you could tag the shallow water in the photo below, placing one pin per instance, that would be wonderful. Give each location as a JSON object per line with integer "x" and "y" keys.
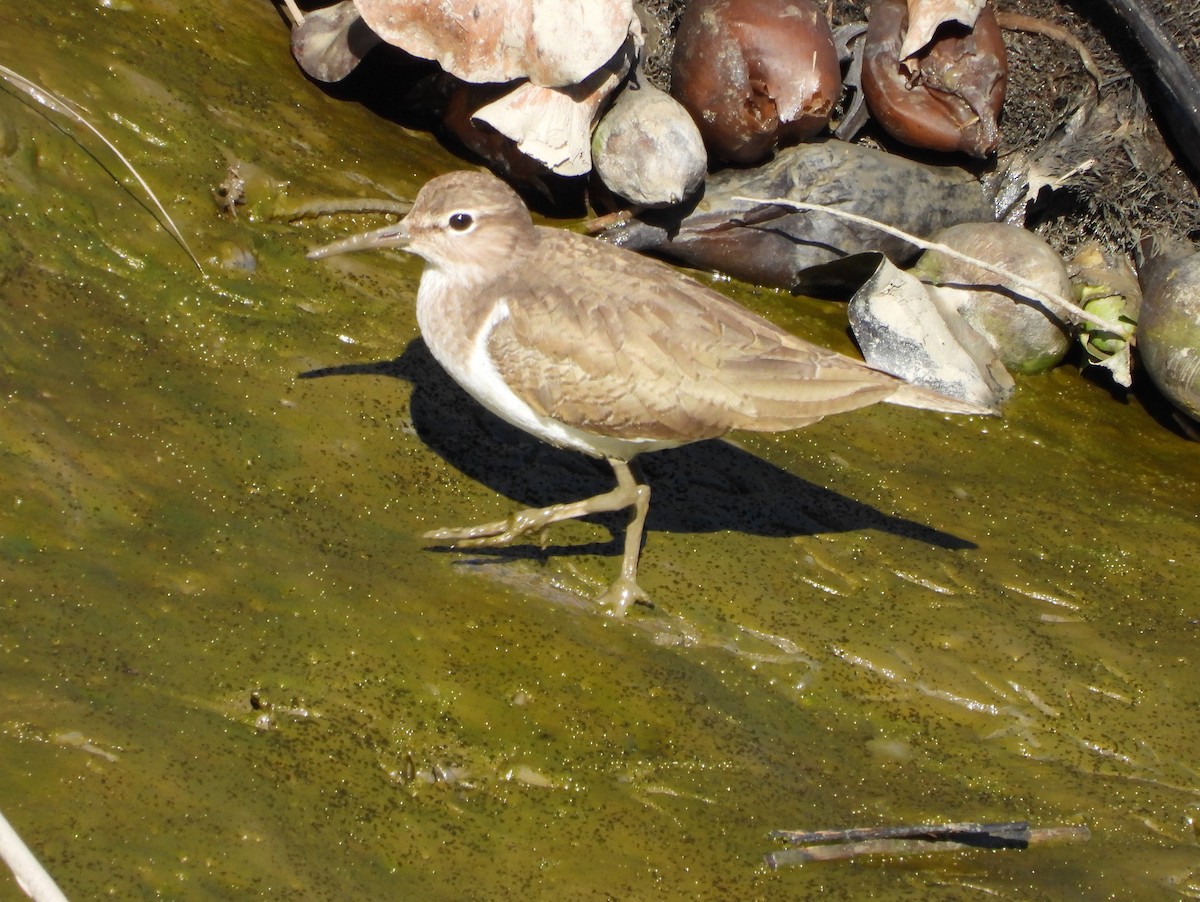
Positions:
{"x": 229, "y": 665}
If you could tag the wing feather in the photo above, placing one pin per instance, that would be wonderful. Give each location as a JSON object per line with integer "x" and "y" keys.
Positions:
{"x": 605, "y": 340}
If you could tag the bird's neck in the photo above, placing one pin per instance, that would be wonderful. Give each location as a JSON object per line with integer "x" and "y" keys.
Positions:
{"x": 452, "y": 307}
{"x": 457, "y": 299}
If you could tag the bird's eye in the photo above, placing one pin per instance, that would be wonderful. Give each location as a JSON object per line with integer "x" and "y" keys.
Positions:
{"x": 460, "y": 222}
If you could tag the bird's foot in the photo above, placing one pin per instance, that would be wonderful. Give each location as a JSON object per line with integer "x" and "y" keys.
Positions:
{"x": 497, "y": 533}
{"x": 622, "y": 594}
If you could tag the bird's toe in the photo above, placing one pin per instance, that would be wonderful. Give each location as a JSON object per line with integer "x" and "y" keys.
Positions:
{"x": 621, "y": 595}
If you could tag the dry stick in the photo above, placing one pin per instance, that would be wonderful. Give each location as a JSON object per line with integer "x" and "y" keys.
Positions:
{"x": 1039, "y": 295}
{"x": 31, "y": 876}
{"x": 63, "y": 107}
{"x": 334, "y": 205}
{"x": 608, "y": 220}
{"x": 294, "y": 12}
{"x": 1013, "y": 830}
{"x": 1031, "y": 25}
{"x": 921, "y": 840}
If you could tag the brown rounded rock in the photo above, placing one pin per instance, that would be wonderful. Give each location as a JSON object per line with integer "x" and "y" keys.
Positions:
{"x": 754, "y": 74}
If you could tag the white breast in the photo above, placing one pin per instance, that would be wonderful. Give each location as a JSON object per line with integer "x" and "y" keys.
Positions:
{"x": 467, "y": 359}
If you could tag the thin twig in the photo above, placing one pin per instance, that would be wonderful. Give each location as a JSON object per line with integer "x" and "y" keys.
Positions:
{"x": 31, "y": 876}
{"x": 335, "y": 205}
{"x": 607, "y": 221}
{"x": 1016, "y": 830}
{"x": 1034, "y": 292}
{"x": 64, "y": 107}
{"x": 1032, "y": 25}
{"x": 294, "y": 13}
{"x": 838, "y": 845}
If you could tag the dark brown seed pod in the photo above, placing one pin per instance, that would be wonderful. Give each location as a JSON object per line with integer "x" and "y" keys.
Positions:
{"x": 754, "y": 74}
{"x": 949, "y": 94}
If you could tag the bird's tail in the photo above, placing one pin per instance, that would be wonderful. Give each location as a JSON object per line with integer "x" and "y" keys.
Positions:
{"x": 909, "y": 395}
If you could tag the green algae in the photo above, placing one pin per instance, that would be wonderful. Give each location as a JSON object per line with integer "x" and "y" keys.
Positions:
{"x": 228, "y": 664}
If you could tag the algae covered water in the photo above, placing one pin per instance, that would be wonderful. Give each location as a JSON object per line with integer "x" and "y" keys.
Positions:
{"x": 229, "y": 665}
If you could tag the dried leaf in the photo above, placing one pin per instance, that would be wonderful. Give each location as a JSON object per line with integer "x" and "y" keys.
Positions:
{"x": 926, "y": 16}
{"x": 905, "y": 330}
{"x": 331, "y": 42}
{"x": 554, "y": 125}
{"x": 551, "y": 42}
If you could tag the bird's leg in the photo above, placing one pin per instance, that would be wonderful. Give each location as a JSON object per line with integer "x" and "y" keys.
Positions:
{"x": 628, "y": 493}
{"x": 625, "y": 591}
{"x": 533, "y": 520}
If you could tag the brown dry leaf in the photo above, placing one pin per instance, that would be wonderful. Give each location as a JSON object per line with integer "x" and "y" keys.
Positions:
{"x": 551, "y": 42}
{"x": 554, "y": 125}
{"x": 331, "y": 42}
{"x": 926, "y": 16}
{"x": 910, "y": 332}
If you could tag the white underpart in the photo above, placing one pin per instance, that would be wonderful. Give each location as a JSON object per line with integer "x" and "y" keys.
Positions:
{"x": 477, "y": 373}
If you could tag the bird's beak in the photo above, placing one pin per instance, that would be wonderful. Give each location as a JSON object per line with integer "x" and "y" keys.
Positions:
{"x": 394, "y": 235}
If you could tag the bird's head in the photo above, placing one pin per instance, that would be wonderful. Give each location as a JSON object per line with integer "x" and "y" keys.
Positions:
{"x": 469, "y": 225}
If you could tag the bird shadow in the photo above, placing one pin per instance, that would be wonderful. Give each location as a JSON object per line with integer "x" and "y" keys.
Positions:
{"x": 708, "y": 486}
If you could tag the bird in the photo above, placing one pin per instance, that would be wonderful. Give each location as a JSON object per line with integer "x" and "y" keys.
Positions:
{"x": 600, "y": 350}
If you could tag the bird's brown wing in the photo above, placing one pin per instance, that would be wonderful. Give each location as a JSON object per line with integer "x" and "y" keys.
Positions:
{"x": 606, "y": 340}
